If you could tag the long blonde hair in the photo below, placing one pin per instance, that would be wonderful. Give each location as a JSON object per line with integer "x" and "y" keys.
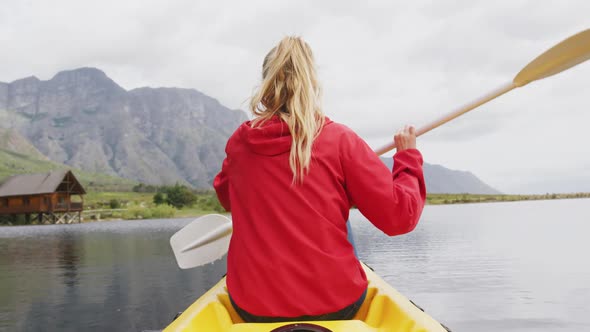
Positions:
{"x": 290, "y": 90}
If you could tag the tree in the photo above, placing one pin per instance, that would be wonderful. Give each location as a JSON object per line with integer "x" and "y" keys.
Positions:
{"x": 159, "y": 199}
{"x": 138, "y": 188}
{"x": 180, "y": 196}
{"x": 145, "y": 188}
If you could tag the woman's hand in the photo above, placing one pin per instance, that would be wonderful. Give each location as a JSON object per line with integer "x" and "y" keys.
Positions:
{"x": 405, "y": 138}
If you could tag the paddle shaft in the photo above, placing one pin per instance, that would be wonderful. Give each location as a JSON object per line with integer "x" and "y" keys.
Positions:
{"x": 454, "y": 114}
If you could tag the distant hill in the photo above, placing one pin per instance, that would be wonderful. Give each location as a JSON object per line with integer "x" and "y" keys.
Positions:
{"x": 12, "y": 163}
{"x": 84, "y": 119}
{"x": 441, "y": 180}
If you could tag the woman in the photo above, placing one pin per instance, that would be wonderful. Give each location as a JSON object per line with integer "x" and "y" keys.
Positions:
{"x": 290, "y": 178}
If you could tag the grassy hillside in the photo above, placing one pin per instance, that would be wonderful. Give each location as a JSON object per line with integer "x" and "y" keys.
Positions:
{"x": 12, "y": 163}
{"x": 11, "y": 140}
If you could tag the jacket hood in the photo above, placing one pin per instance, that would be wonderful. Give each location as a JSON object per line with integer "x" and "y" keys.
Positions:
{"x": 270, "y": 139}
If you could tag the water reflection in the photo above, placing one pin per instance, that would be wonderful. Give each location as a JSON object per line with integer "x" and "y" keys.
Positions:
{"x": 480, "y": 267}
{"x": 489, "y": 267}
{"x": 68, "y": 258}
{"x": 117, "y": 276}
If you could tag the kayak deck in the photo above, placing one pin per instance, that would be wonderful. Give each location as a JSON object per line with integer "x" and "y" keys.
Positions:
{"x": 384, "y": 309}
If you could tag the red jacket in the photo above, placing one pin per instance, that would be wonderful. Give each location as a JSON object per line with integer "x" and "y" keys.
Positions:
{"x": 289, "y": 255}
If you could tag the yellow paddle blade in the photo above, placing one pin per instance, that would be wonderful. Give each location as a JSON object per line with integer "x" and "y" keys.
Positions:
{"x": 568, "y": 53}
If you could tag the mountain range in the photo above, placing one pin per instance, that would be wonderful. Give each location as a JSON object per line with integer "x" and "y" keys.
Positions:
{"x": 83, "y": 119}
{"x": 441, "y": 180}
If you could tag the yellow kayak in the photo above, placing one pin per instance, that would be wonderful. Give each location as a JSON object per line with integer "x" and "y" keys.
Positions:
{"x": 384, "y": 309}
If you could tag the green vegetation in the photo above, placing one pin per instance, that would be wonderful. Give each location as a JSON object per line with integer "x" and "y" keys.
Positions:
{"x": 159, "y": 198}
{"x": 12, "y": 163}
{"x": 112, "y": 197}
{"x": 145, "y": 188}
{"x": 157, "y": 212}
{"x": 115, "y": 204}
{"x": 179, "y": 196}
{"x": 142, "y": 205}
{"x": 96, "y": 200}
{"x": 435, "y": 199}
{"x": 136, "y": 205}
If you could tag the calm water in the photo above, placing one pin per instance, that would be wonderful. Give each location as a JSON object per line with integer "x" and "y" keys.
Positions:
{"x": 481, "y": 267}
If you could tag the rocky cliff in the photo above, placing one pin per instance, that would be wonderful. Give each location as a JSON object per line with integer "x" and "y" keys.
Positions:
{"x": 84, "y": 119}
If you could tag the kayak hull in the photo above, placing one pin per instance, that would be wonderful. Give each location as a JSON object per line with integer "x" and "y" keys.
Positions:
{"x": 384, "y": 309}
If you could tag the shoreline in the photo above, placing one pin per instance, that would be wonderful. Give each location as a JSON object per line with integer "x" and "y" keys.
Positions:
{"x": 448, "y": 199}
{"x": 138, "y": 206}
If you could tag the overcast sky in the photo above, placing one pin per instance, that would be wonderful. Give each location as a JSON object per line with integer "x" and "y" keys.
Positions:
{"x": 382, "y": 64}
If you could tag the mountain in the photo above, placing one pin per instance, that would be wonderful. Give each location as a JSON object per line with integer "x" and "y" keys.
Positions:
{"x": 84, "y": 119}
{"x": 12, "y": 141}
{"x": 441, "y": 180}
{"x": 12, "y": 163}
{"x": 19, "y": 156}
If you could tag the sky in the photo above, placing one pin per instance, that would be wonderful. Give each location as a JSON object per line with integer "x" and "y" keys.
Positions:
{"x": 382, "y": 64}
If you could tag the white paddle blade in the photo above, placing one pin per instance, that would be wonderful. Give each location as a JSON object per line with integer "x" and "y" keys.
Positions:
{"x": 203, "y": 241}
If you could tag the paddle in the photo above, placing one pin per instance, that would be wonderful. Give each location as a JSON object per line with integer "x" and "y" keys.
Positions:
{"x": 203, "y": 241}
{"x": 568, "y": 53}
{"x": 206, "y": 239}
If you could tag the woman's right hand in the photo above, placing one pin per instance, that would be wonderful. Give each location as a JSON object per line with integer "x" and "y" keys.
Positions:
{"x": 405, "y": 138}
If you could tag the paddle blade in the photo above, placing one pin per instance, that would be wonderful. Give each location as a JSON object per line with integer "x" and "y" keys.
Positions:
{"x": 203, "y": 241}
{"x": 568, "y": 53}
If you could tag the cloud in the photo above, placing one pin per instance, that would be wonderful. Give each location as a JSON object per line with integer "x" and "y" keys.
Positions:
{"x": 382, "y": 64}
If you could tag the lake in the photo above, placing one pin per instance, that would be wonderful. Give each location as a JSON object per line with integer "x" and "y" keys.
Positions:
{"x": 518, "y": 266}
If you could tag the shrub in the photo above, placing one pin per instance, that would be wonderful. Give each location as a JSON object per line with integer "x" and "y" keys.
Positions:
{"x": 159, "y": 199}
{"x": 180, "y": 196}
{"x": 114, "y": 203}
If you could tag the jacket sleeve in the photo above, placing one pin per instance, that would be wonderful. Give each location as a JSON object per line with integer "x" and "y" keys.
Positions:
{"x": 392, "y": 200}
{"x": 221, "y": 185}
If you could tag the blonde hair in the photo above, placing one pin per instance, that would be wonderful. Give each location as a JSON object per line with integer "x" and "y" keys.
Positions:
{"x": 290, "y": 90}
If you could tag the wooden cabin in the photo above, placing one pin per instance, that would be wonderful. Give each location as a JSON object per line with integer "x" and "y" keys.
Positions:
{"x": 46, "y": 197}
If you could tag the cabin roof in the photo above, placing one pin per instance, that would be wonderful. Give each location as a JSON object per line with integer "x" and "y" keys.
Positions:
{"x": 43, "y": 183}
